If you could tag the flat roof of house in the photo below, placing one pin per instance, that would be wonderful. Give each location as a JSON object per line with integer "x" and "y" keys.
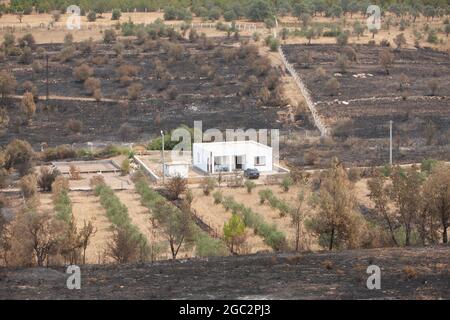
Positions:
{"x": 214, "y": 146}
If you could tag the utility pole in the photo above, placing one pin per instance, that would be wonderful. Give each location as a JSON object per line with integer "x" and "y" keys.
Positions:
{"x": 390, "y": 141}
{"x": 163, "y": 160}
{"x": 46, "y": 75}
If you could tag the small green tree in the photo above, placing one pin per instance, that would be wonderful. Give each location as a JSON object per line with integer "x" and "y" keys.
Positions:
{"x": 234, "y": 233}
{"x": 116, "y": 14}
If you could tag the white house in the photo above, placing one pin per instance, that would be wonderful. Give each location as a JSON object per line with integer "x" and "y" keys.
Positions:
{"x": 213, "y": 157}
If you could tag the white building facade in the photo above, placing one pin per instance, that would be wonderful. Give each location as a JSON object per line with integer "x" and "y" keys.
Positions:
{"x": 227, "y": 156}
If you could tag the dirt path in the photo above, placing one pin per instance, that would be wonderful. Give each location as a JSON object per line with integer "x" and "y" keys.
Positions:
{"x": 290, "y": 90}
{"x": 86, "y": 207}
{"x": 65, "y": 98}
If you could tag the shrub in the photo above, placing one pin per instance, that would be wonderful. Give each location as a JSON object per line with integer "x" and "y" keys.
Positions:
{"x": 97, "y": 181}
{"x": 433, "y": 85}
{"x": 66, "y": 54}
{"x": 28, "y": 186}
{"x": 58, "y": 153}
{"x": 432, "y": 37}
{"x": 83, "y": 72}
{"x": 92, "y": 16}
{"x": 19, "y": 155}
{"x": 63, "y": 206}
{"x": 286, "y": 183}
{"x": 354, "y": 174}
{"x": 249, "y": 185}
{"x": 343, "y": 63}
{"x": 92, "y": 84}
{"x": 176, "y": 186}
{"x": 127, "y": 132}
{"x": 127, "y": 70}
{"x": 74, "y": 126}
{"x": 8, "y": 84}
{"x": 427, "y": 165}
{"x": 264, "y": 195}
{"x": 74, "y": 172}
{"x": 134, "y": 91}
{"x": 28, "y": 106}
{"x": 27, "y": 41}
{"x": 47, "y": 177}
{"x": 60, "y": 185}
{"x": 386, "y": 59}
{"x": 332, "y": 86}
{"x": 86, "y": 46}
{"x": 208, "y": 185}
{"x": 125, "y": 166}
{"x": 116, "y": 14}
{"x": 109, "y": 36}
{"x": 218, "y": 197}
{"x": 27, "y": 56}
{"x": 342, "y": 39}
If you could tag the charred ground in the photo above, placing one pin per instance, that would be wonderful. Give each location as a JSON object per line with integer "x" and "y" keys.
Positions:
{"x": 413, "y": 273}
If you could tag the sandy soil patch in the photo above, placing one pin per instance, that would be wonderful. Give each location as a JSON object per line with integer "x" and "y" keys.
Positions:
{"x": 86, "y": 207}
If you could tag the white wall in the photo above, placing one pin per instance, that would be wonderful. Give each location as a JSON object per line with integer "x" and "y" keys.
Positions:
{"x": 249, "y": 149}
{"x": 174, "y": 170}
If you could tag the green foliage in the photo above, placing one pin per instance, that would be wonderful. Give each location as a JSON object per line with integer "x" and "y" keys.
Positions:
{"x": 116, "y": 14}
{"x": 92, "y": 16}
{"x": 432, "y": 37}
{"x": 272, "y": 237}
{"x": 204, "y": 244}
{"x": 172, "y": 13}
{"x": 249, "y": 185}
{"x": 234, "y": 228}
{"x": 286, "y": 183}
{"x": 260, "y": 10}
{"x": 428, "y": 165}
{"x": 117, "y": 213}
{"x": 208, "y": 185}
{"x": 156, "y": 144}
{"x": 274, "y": 202}
{"x": 63, "y": 206}
{"x": 386, "y": 170}
{"x": 218, "y": 197}
{"x": 272, "y": 43}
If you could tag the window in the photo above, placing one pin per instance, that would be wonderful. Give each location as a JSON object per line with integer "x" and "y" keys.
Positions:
{"x": 260, "y": 161}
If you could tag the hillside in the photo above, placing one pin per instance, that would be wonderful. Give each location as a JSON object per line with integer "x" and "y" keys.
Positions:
{"x": 415, "y": 273}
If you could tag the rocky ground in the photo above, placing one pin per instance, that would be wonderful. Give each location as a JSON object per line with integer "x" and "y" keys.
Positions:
{"x": 416, "y": 273}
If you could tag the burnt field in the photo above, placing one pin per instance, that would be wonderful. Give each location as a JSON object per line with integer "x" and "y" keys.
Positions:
{"x": 368, "y": 97}
{"x": 414, "y": 273}
{"x": 146, "y": 87}
{"x": 415, "y": 95}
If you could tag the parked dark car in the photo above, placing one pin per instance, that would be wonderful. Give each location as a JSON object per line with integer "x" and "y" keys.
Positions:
{"x": 251, "y": 173}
